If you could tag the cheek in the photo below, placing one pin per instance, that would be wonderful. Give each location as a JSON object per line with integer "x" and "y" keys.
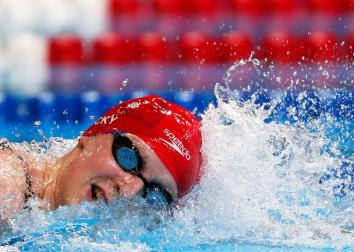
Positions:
{"x": 73, "y": 179}
{"x": 70, "y": 186}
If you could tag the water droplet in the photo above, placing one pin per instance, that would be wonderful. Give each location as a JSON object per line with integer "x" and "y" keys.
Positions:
{"x": 37, "y": 123}
{"x": 256, "y": 62}
{"x": 125, "y": 82}
{"x": 325, "y": 73}
{"x": 195, "y": 110}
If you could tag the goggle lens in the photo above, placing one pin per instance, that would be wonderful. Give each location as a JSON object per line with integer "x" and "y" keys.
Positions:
{"x": 129, "y": 159}
{"x": 126, "y": 158}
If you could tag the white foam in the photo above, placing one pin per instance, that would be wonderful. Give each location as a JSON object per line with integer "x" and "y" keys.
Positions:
{"x": 249, "y": 193}
{"x": 260, "y": 185}
{"x": 261, "y": 181}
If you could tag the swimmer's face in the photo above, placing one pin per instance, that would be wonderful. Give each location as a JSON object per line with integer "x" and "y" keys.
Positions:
{"x": 90, "y": 172}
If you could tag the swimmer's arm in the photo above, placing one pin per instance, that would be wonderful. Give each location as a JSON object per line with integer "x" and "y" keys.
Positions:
{"x": 12, "y": 184}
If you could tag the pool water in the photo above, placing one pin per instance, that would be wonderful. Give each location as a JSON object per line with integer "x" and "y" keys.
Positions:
{"x": 277, "y": 176}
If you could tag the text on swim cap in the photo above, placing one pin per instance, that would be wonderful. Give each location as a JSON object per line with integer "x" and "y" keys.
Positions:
{"x": 106, "y": 119}
{"x": 176, "y": 144}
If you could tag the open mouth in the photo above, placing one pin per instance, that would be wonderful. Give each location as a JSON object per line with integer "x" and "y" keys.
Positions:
{"x": 98, "y": 193}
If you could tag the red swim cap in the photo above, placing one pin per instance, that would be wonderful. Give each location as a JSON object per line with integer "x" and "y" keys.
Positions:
{"x": 171, "y": 131}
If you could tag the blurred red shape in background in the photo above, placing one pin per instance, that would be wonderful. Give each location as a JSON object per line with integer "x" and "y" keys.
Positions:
{"x": 185, "y": 7}
{"x": 250, "y": 7}
{"x": 284, "y": 6}
{"x": 111, "y": 48}
{"x": 322, "y": 46}
{"x": 203, "y": 7}
{"x": 197, "y": 48}
{"x": 237, "y": 46}
{"x": 153, "y": 47}
{"x": 175, "y": 7}
{"x": 328, "y": 6}
{"x": 65, "y": 49}
{"x": 123, "y": 7}
{"x": 281, "y": 47}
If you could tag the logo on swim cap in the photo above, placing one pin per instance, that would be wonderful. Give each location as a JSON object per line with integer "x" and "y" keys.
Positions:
{"x": 106, "y": 119}
{"x": 176, "y": 144}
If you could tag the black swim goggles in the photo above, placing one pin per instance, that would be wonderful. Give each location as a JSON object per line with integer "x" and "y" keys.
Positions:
{"x": 128, "y": 158}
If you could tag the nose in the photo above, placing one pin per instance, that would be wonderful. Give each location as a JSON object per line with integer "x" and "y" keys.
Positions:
{"x": 129, "y": 184}
{"x": 125, "y": 185}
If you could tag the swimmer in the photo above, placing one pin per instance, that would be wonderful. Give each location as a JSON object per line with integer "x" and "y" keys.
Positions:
{"x": 142, "y": 147}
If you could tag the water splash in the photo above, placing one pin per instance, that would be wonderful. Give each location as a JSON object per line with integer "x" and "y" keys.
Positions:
{"x": 265, "y": 183}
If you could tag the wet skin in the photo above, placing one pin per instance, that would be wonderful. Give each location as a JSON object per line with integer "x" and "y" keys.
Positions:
{"x": 90, "y": 172}
{"x": 86, "y": 173}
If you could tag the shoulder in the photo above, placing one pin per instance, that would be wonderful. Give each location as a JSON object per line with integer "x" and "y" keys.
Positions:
{"x": 12, "y": 183}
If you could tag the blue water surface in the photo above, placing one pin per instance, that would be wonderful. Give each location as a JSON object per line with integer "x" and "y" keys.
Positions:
{"x": 335, "y": 112}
